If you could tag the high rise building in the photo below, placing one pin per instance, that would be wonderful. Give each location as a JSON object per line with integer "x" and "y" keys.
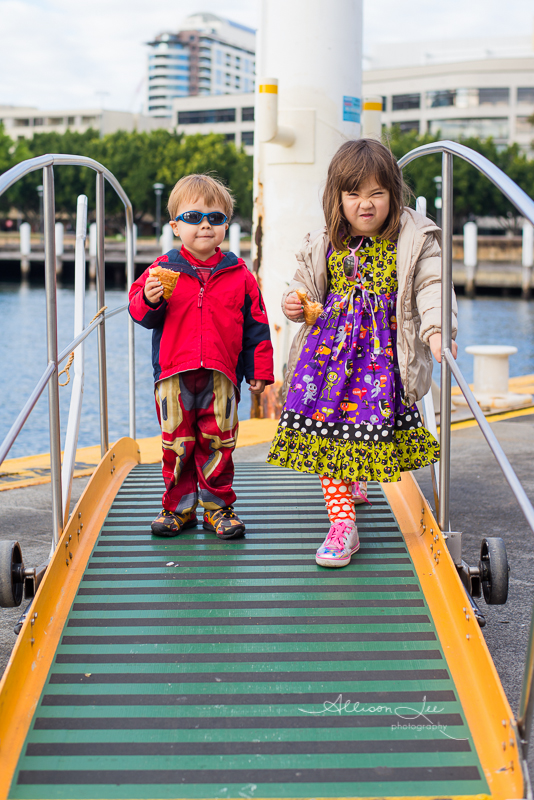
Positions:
{"x": 206, "y": 55}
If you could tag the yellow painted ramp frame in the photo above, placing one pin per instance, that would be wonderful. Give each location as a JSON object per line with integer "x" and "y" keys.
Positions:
{"x": 480, "y": 692}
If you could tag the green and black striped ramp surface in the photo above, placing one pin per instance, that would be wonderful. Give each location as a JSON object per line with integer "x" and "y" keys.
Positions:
{"x": 198, "y": 668}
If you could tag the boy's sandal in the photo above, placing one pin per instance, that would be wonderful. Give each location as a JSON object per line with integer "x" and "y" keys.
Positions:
{"x": 224, "y": 522}
{"x": 168, "y": 523}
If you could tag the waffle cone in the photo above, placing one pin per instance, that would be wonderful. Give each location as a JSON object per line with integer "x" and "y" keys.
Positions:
{"x": 167, "y": 277}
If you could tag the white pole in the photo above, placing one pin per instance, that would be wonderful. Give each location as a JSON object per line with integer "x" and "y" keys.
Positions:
{"x": 235, "y": 238}
{"x": 73, "y": 424}
{"x": 527, "y": 256}
{"x": 470, "y": 256}
{"x": 25, "y": 233}
{"x": 313, "y": 51}
{"x": 372, "y": 118}
{"x": 420, "y": 205}
{"x": 60, "y": 242}
{"x": 167, "y": 238}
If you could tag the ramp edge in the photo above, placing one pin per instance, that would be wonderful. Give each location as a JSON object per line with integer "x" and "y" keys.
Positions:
{"x": 32, "y": 656}
{"x": 484, "y": 702}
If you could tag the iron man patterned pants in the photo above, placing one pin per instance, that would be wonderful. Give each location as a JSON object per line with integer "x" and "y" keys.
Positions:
{"x": 197, "y": 412}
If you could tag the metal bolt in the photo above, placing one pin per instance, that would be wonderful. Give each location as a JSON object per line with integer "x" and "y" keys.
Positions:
{"x": 67, "y": 562}
{"x": 424, "y": 527}
{"x": 467, "y": 636}
{"x": 79, "y": 514}
{"x": 504, "y": 745}
{"x": 436, "y": 537}
{"x": 70, "y": 555}
{"x": 32, "y": 641}
{"x": 504, "y": 723}
{"x": 467, "y": 617}
{"x": 431, "y": 530}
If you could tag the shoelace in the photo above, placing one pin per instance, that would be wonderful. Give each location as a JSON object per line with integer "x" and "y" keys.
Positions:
{"x": 227, "y": 513}
{"x": 337, "y": 535}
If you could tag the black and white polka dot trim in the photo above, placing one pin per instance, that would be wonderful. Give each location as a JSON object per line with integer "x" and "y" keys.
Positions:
{"x": 349, "y": 432}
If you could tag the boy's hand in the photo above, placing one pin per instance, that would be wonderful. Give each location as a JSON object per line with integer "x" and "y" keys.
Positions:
{"x": 256, "y": 387}
{"x": 434, "y": 342}
{"x": 293, "y": 307}
{"x": 153, "y": 290}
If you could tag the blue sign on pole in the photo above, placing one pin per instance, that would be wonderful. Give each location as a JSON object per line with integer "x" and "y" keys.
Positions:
{"x": 351, "y": 109}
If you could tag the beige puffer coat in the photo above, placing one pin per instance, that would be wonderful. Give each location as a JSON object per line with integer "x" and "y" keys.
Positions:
{"x": 418, "y": 299}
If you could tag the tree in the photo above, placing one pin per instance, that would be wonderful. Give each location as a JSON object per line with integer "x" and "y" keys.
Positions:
{"x": 473, "y": 193}
{"x": 137, "y": 160}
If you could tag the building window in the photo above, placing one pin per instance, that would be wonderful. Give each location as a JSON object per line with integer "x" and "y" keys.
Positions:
{"x": 523, "y": 125}
{"x": 440, "y": 98}
{"x": 92, "y": 120}
{"x": 496, "y": 127}
{"x": 21, "y": 123}
{"x": 247, "y": 114}
{"x": 525, "y": 94}
{"x": 493, "y": 97}
{"x": 229, "y": 137}
{"x": 247, "y": 138}
{"x": 204, "y": 116}
{"x": 55, "y": 120}
{"x": 406, "y": 126}
{"x": 71, "y": 120}
{"x": 38, "y": 121}
{"x": 401, "y": 102}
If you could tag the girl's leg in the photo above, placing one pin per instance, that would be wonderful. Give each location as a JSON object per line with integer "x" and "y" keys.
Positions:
{"x": 338, "y": 499}
{"x": 342, "y": 540}
{"x": 359, "y": 493}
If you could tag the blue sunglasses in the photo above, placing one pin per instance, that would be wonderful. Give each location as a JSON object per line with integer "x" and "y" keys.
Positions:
{"x": 196, "y": 217}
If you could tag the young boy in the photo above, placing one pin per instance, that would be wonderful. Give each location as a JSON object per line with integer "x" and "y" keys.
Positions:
{"x": 206, "y": 337}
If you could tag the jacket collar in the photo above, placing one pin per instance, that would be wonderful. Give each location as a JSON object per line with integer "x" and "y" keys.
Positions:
{"x": 180, "y": 264}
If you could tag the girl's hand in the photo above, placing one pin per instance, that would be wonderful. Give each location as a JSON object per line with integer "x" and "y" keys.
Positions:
{"x": 153, "y": 290}
{"x": 434, "y": 342}
{"x": 293, "y": 307}
{"x": 256, "y": 387}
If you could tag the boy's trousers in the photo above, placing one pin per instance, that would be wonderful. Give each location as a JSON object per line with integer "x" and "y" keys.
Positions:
{"x": 197, "y": 412}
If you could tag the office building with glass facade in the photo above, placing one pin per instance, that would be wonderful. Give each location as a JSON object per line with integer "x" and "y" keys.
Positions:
{"x": 489, "y": 92}
{"x": 207, "y": 55}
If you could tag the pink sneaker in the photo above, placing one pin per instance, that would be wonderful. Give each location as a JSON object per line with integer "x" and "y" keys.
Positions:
{"x": 359, "y": 493}
{"x": 342, "y": 541}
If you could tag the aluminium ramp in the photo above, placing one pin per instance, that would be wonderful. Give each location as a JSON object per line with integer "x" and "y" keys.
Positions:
{"x": 195, "y": 668}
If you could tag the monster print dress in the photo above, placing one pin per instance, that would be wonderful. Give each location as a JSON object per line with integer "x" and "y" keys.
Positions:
{"x": 345, "y": 414}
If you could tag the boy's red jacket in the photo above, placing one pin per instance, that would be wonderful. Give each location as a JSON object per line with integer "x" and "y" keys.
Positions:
{"x": 220, "y": 325}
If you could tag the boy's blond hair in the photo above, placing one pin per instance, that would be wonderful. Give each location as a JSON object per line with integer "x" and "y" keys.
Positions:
{"x": 192, "y": 187}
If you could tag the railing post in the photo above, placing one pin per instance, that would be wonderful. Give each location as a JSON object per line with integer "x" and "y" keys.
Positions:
{"x": 100, "y": 302}
{"x": 51, "y": 335}
{"x": 131, "y": 243}
{"x": 446, "y": 341}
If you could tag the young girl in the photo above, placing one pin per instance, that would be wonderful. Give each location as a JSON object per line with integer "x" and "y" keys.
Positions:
{"x": 353, "y": 377}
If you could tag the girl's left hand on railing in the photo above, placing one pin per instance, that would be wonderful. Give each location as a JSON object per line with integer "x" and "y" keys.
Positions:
{"x": 434, "y": 342}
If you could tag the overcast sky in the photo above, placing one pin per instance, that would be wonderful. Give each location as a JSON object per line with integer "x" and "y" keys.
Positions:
{"x": 67, "y": 53}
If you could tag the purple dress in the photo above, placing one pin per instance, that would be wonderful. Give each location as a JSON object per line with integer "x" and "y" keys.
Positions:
{"x": 345, "y": 414}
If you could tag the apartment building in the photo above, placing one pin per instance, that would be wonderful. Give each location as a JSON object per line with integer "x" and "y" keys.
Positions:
{"x": 207, "y": 55}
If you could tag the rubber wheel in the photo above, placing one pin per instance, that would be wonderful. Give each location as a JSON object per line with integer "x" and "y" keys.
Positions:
{"x": 494, "y": 571}
{"x": 11, "y": 575}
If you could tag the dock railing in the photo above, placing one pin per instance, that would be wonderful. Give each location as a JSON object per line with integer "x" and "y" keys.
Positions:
{"x": 525, "y": 205}
{"x": 50, "y": 377}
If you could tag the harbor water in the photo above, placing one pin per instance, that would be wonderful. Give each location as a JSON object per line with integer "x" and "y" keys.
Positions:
{"x": 485, "y": 320}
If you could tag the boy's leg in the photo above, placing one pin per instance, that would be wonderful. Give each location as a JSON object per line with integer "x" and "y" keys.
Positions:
{"x": 216, "y": 441}
{"x": 178, "y": 426}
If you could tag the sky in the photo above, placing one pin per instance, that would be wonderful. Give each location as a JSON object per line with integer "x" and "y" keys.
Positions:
{"x": 59, "y": 54}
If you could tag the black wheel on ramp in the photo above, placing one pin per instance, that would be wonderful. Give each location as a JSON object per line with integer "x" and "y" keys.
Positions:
{"x": 11, "y": 574}
{"x": 494, "y": 571}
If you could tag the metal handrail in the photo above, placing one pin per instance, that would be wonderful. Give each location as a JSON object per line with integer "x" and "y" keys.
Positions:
{"x": 47, "y": 163}
{"x": 525, "y": 205}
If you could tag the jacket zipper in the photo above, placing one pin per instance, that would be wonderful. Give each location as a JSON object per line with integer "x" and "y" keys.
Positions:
{"x": 199, "y": 305}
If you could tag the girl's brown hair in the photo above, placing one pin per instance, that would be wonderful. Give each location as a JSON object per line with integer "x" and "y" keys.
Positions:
{"x": 355, "y": 162}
